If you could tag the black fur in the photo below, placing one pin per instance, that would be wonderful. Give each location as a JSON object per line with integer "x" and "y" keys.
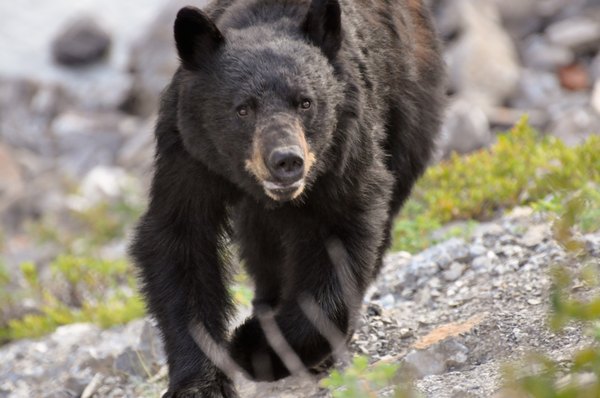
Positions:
{"x": 373, "y": 74}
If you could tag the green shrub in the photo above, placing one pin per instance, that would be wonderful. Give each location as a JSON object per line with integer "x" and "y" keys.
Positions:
{"x": 100, "y": 291}
{"x": 522, "y": 168}
{"x": 361, "y": 380}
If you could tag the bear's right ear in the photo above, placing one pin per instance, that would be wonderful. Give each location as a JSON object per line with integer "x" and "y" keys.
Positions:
{"x": 196, "y": 36}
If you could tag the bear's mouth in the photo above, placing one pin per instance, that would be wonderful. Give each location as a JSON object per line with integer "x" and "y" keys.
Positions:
{"x": 283, "y": 192}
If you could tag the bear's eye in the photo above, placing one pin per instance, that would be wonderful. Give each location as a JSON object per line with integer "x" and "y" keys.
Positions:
{"x": 305, "y": 104}
{"x": 242, "y": 111}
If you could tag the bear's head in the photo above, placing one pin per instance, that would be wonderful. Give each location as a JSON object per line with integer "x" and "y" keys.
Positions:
{"x": 258, "y": 104}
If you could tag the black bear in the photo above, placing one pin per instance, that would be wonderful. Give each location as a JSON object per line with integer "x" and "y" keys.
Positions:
{"x": 295, "y": 129}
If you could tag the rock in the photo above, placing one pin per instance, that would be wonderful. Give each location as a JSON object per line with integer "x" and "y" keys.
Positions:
{"x": 537, "y": 89}
{"x": 535, "y": 235}
{"x": 465, "y": 129}
{"x": 437, "y": 359}
{"x": 538, "y": 53}
{"x": 102, "y": 184}
{"x": 574, "y": 77}
{"x": 85, "y": 140}
{"x": 596, "y": 97}
{"x": 137, "y": 153}
{"x": 26, "y": 110}
{"x": 595, "y": 68}
{"x": 578, "y": 33}
{"x": 423, "y": 363}
{"x": 482, "y": 63}
{"x": 74, "y": 334}
{"x": 102, "y": 85}
{"x": 11, "y": 180}
{"x": 82, "y": 42}
{"x": 454, "y": 272}
{"x": 520, "y": 16}
{"x": 576, "y": 125}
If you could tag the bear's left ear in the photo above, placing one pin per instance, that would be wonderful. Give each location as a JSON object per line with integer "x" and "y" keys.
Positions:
{"x": 323, "y": 26}
{"x": 196, "y": 37}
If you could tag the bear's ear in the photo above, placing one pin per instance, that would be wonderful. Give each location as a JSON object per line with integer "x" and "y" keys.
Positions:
{"x": 196, "y": 36}
{"x": 323, "y": 26}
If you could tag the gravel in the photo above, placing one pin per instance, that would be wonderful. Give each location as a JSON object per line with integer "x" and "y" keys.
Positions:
{"x": 452, "y": 314}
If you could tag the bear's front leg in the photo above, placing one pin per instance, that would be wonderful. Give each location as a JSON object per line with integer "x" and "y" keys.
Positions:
{"x": 324, "y": 286}
{"x": 178, "y": 247}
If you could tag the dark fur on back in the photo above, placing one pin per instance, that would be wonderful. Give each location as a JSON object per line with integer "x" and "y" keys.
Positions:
{"x": 374, "y": 76}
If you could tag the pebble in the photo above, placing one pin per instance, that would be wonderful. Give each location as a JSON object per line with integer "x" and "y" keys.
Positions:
{"x": 535, "y": 235}
{"x": 454, "y": 272}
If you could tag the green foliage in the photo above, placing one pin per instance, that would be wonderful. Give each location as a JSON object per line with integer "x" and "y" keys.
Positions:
{"x": 105, "y": 221}
{"x": 99, "y": 291}
{"x": 522, "y": 168}
{"x": 361, "y": 380}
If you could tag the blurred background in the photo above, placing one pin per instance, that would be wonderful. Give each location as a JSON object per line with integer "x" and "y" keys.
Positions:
{"x": 79, "y": 86}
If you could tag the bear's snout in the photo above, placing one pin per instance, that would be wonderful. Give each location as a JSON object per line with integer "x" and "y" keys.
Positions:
{"x": 281, "y": 158}
{"x": 286, "y": 164}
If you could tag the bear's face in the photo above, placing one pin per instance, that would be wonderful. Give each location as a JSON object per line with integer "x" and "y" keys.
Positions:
{"x": 256, "y": 108}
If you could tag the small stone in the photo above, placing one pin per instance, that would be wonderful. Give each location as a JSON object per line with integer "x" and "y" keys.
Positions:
{"x": 406, "y": 333}
{"x": 81, "y": 43}
{"x": 454, "y": 272}
{"x": 534, "y": 301}
{"x": 538, "y": 89}
{"x": 574, "y": 77}
{"x": 465, "y": 129}
{"x": 535, "y": 235}
{"x": 387, "y": 301}
{"x": 477, "y": 250}
{"x": 482, "y": 263}
{"x": 424, "y": 363}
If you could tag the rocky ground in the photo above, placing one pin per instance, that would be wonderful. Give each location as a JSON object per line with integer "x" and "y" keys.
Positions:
{"x": 79, "y": 84}
{"x": 453, "y": 314}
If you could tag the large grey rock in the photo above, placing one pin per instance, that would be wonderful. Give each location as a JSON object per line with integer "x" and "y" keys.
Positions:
{"x": 538, "y": 89}
{"x": 482, "y": 63}
{"x": 578, "y": 33}
{"x": 539, "y": 53}
{"x": 465, "y": 129}
{"x": 82, "y": 42}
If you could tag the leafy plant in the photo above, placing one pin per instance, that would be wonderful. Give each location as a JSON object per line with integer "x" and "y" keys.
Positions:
{"x": 100, "y": 291}
{"x": 361, "y": 380}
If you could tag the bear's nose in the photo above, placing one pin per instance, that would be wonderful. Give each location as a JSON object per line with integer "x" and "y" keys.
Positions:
{"x": 287, "y": 163}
